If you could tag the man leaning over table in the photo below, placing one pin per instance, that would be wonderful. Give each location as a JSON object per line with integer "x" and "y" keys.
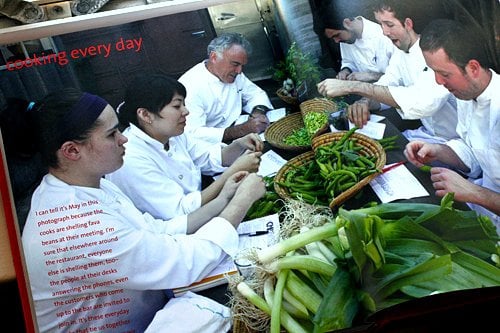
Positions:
{"x": 364, "y": 49}
{"x": 218, "y": 91}
{"x": 407, "y": 85}
{"x": 457, "y": 54}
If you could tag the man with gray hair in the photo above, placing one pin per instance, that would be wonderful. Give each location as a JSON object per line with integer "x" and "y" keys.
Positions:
{"x": 218, "y": 92}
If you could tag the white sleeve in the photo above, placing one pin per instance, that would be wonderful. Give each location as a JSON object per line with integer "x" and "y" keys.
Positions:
{"x": 152, "y": 191}
{"x": 421, "y": 99}
{"x": 466, "y": 155}
{"x": 206, "y": 155}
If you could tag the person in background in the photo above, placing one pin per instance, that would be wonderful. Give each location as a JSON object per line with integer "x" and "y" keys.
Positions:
{"x": 407, "y": 85}
{"x": 364, "y": 49}
{"x": 458, "y": 57}
{"x": 162, "y": 171}
{"x": 218, "y": 91}
{"x": 94, "y": 261}
{"x": 24, "y": 162}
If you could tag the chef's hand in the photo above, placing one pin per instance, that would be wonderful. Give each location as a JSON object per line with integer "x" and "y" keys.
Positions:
{"x": 251, "y": 188}
{"x": 358, "y": 113}
{"x": 257, "y": 123}
{"x": 334, "y": 87}
{"x": 248, "y": 161}
{"x": 420, "y": 153}
{"x": 343, "y": 74}
{"x": 251, "y": 142}
{"x": 231, "y": 184}
{"x": 445, "y": 181}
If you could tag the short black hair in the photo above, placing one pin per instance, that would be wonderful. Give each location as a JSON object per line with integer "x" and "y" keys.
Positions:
{"x": 151, "y": 91}
{"x": 332, "y": 13}
{"x": 421, "y": 12}
{"x": 460, "y": 42}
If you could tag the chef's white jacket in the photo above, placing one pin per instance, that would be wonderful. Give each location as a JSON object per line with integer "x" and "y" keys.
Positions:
{"x": 214, "y": 105}
{"x": 413, "y": 86}
{"x": 94, "y": 260}
{"x": 370, "y": 53}
{"x": 479, "y": 143}
{"x": 166, "y": 183}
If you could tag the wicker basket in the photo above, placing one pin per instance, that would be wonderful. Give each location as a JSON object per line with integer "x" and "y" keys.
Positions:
{"x": 371, "y": 147}
{"x": 292, "y": 100}
{"x": 292, "y": 163}
{"x": 318, "y": 105}
{"x": 276, "y": 133}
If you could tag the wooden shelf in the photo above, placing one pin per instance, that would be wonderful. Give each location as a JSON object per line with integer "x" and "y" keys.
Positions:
{"x": 101, "y": 19}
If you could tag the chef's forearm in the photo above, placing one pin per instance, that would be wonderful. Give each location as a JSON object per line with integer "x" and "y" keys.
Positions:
{"x": 372, "y": 91}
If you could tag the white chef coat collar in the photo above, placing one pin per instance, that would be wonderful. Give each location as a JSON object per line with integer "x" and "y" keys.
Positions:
{"x": 105, "y": 197}
{"x": 490, "y": 91}
{"x": 415, "y": 47}
{"x": 136, "y": 131}
{"x": 209, "y": 75}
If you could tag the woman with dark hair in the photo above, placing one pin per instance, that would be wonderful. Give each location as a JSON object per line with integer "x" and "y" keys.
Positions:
{"x": 162, "y": 171}
{"x": 23, "y": 159}
{"x": 94, "y": 261}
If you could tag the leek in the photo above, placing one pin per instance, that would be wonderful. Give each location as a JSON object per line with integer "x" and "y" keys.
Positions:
{"x": 305, "y": 294}
{"x": 288, "y": 322}
{"x": 303, "y": 262}
{"x": 296, "y": 241}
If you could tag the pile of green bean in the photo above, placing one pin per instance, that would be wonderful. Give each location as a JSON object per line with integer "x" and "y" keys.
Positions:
{"x": 299, "y": 137}
{"x": 335, "y": 168}
{"x": 313, "y": 121}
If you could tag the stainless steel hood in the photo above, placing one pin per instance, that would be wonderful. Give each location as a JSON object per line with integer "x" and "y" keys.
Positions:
{"x": 245, "y": 17}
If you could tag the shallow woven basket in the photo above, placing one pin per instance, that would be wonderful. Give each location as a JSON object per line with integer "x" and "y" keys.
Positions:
{"x": 370, "y": 148}
{"x": 291, "y": 164}
{"x": 287, "y": 99}
{"x": 318, "y": 105}
{"x": 276, "y": 133}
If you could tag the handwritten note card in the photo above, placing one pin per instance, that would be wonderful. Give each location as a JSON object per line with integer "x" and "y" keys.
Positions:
{"x": 398, "y": 183}
{"x": 270, "y": 163}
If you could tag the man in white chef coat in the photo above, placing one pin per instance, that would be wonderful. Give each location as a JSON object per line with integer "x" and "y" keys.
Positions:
{"x": 407, "y": 85}
{"x": 457, "y": 54}
{"x": 218, "y": 92}
{"x": 364, "y": 49}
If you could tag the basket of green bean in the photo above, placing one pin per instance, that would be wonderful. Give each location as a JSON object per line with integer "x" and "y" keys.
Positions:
{"x": 337, "y": 168}
{"x": 355, "y": 159}
{"x": 289, "y": 133}
{"x": 315, "y": 114}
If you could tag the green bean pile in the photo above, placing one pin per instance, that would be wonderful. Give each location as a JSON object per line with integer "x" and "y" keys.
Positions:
{"x": 299, "y": 137}
{"x": 335, "y": 168}
{"x": 313, "y": 121}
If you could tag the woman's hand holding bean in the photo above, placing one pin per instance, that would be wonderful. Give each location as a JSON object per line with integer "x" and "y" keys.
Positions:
{"x": 251, "y": 142}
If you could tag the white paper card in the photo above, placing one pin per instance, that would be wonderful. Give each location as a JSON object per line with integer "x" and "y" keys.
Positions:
{"x": 270, "y": 163}
{"x": 372, "y": 129}
{"x": 397, "y": 183}
{"x": 376, "y": 118}
{"x": 276, "y": 114}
